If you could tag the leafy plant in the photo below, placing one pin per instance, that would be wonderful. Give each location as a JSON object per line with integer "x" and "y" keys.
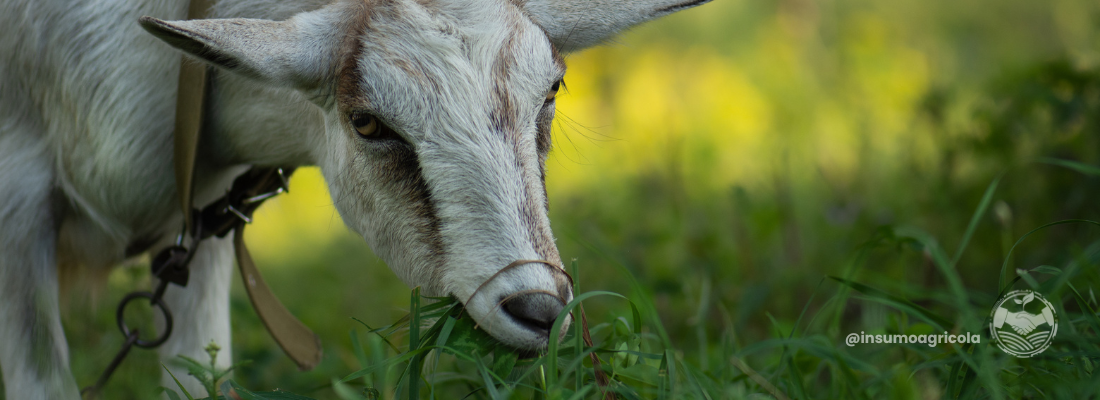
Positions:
{"x": 209, "y": 375}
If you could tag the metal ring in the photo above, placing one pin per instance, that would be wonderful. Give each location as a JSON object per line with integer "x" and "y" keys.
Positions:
{"x": 153, "y": 300}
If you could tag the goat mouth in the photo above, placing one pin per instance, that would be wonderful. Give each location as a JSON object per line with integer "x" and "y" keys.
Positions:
{"x": 516, "y": 314}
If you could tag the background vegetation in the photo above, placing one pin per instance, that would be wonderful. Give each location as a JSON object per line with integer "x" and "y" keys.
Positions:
{"x": 731, "y": 158}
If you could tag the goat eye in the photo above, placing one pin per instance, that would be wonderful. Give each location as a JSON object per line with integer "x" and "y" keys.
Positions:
{"x": 366, "y": 125}
{"x": 553, "y": 91}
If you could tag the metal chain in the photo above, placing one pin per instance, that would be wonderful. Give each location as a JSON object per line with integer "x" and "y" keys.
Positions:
{"x": 170, "y": 265}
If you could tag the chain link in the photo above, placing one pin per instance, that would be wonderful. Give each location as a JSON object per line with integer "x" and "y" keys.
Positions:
{"x": 170, "y": 265}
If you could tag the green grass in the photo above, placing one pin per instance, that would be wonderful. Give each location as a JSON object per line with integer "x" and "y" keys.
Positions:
{"x": 854, "y": 193}
{"x": 803, "y": 360}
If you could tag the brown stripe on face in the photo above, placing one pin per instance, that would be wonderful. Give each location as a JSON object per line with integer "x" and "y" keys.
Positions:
{"x": 349, "y": 92}
{"x": 504, "y": 118}
{"x": 504, "y": 113}
{"x": 401, "y": 174}
{"x": 543, "y": 142}
{"x": 521, "y": 6}
{"x": 539, "y": 234}
{"x": 559, "y": 60}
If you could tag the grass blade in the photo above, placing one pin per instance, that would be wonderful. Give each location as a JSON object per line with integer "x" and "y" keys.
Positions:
{"x": 414, "y": 343}
{"x": 1004, "y": 266}
{"x": 555, "y": 331}
{"x": 180, "y": 385}
{"x": 983, "y": 206}
{"x": 1074, "y": 165}
{"x": 922, "y": 312}
{"x": 1093, "y": 319}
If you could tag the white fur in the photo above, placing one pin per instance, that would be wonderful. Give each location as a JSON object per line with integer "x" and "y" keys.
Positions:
{"x": 86, "y": 115}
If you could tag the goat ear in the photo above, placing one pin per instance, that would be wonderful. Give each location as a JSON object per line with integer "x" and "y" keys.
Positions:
{"x": 578, "y": 24}
{"x": 282, "y": 52}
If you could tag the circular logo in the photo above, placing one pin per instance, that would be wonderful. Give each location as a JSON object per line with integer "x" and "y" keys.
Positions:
{"x": 1023, "y": 323}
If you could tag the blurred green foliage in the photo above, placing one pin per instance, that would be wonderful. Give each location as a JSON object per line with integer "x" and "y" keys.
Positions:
{"x": 732, "y": 157}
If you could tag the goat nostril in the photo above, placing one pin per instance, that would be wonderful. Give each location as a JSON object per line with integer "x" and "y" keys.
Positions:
{"x": 536, "y": 311}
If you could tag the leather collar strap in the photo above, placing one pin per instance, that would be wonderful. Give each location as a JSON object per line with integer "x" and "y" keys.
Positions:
{"x": 190, "y": 98}
{"x": 297, "y": 340}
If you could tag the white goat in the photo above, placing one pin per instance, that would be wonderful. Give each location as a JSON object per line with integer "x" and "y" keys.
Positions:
{"x": 430, "y": 120}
